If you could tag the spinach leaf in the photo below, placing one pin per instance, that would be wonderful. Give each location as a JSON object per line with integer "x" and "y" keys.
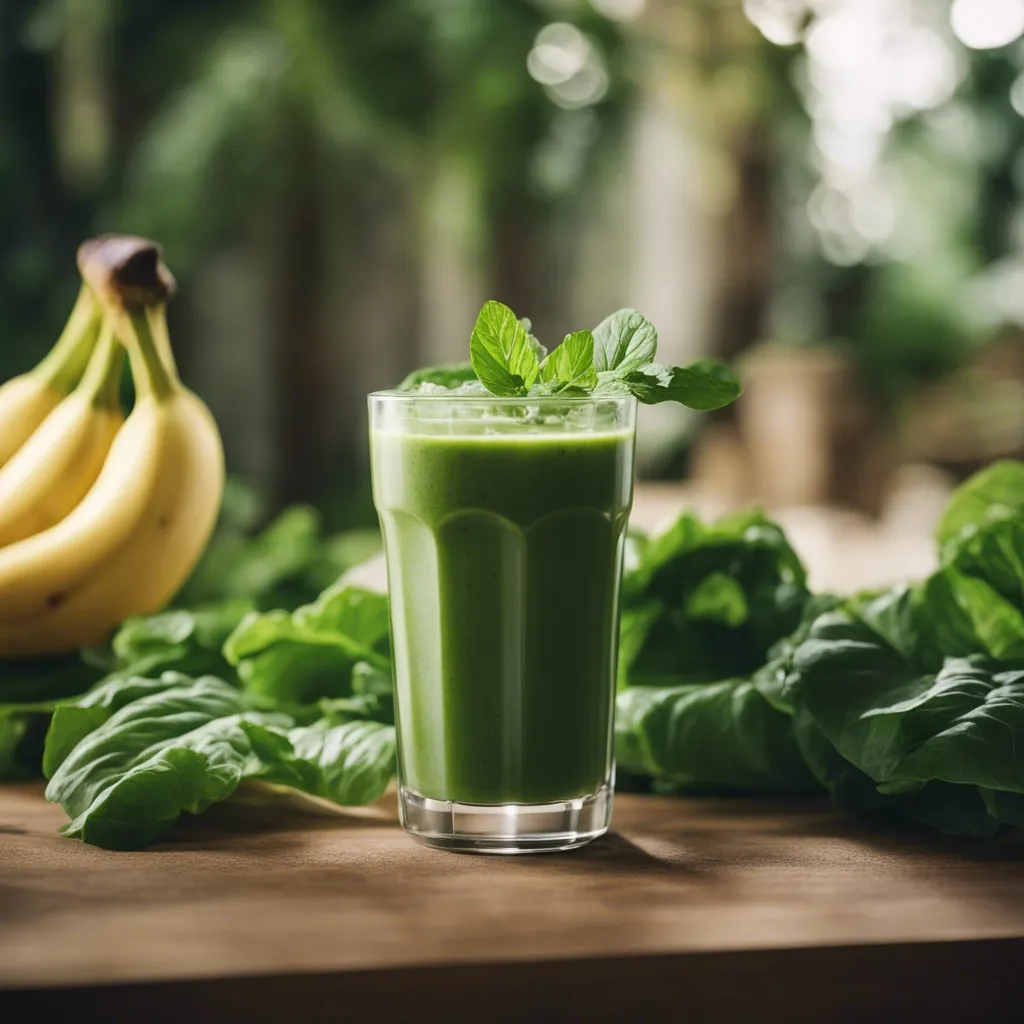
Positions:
{"x": 185, "y": 641}
{"x": 311, "y": 653}
{"x": 571, "y": 365}
{"x": 286, "y": 565}
{"x": 996, "y": 492}
{"x": 503, "y": 358}
{"x": 22, "y": 735}
{"x": 706, "y": 602}
{"x": 447, "y": 375}
{"x": 985, "y": 578}
{"x": 29, "y": 693}
{"x": 354, "y": 761}
{"x": 188, "y": 746}
{"x": 626, "y": 340}
{"x": 723, "y": 735}
{"x": 46, "y": 679}
{"x": 74, "y": 719}
{"x": 961, "y": 725}
{"x": 718, "y": 598}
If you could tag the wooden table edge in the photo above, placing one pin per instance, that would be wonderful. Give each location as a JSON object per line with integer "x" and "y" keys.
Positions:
{"x": 976, "y": 980}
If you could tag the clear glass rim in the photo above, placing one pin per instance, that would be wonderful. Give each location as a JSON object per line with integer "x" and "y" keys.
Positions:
{"x": 517, "y": 400}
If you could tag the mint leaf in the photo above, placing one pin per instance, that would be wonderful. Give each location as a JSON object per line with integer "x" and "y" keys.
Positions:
{"x": 538, "y": 349}
{"x": 610, "y": 385}
{"x": 702, "y": 385}
{"x": 447, "y": 375}
{"x": 501, "y": 354}
{"x": 571, "y": 365}
{"x": 624, "y": 341}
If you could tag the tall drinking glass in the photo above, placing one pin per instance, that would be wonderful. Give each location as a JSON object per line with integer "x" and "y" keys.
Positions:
{"x": 504, "y": 521}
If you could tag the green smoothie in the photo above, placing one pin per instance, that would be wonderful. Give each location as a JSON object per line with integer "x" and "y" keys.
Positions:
{"x": 504, "y": 558}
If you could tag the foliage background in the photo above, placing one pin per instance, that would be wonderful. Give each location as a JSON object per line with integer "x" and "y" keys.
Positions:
{"x": 338, "y": 186}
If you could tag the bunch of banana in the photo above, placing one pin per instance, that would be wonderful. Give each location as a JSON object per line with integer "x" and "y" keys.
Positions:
{"x": 102, "y": 517}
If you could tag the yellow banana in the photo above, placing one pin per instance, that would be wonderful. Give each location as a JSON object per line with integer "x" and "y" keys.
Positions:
{"x": 55, "y": 468}
{"x": 26, "y": 400}
{"x": 135, "y": 537}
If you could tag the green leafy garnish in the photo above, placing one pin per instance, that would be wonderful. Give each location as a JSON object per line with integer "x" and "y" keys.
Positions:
{"x": 703, "y": 385}
{"x": 447, "y": 375}
{"x": 615, "y": 359}
{"x": 501, "y": 353}
{"x": 571, "y": 365}
{"x": 623, "y": 342}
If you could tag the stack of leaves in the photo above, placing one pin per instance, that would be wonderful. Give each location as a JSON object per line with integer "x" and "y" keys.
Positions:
{"x": 303, "y": 699}
{"x": 907, "y": 702}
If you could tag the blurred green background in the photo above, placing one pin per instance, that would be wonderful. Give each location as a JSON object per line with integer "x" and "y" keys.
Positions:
{"x": 830, "y": 193}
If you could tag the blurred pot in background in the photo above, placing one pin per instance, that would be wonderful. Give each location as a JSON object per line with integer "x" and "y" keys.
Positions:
{"x": 810, "y": 435}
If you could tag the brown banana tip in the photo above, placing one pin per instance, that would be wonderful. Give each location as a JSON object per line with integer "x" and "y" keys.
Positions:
{"x": 126, "y": 271}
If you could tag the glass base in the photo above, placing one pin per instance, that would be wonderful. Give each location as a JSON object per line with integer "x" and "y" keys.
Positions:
{"x": 506, "y": 828}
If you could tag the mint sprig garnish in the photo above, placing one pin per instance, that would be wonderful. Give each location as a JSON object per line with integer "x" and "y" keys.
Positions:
{"x": 624, "y": 341}
{"x": 570, "y": 367}
{"x": 500, "y": 351}
{"x": 617, "y": 358}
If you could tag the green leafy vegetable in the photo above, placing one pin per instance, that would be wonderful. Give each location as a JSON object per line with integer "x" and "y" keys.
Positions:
{"x": 75, "y": 719}
{"x": 23, "y": 729}
{"x": 46, "y": 679}
{"x": 188, "y": 746}
{"x": 996, "y": 492}
{"x": 447, "y": 375}
{"x": 624, "y": 341}
{"x": 724, "y": 736}
{"x": 706, "y": 601}
{"x": 286, "y": 565}
{"x": 703, "y": 385}
{"x": 571, "y": 365}
{"x": 962, "y": 725}
{"x": 353, "y": 762}
{"x": 312, "y": 652}
{"x": 503, "y": 358}
{"x": 616, "y": 359}
{"x": 186, "y": 641}
{"x": 29, "y": 693}
{"x": 538, "y": 349}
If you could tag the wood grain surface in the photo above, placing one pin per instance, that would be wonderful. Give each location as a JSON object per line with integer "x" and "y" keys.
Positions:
{"x": 280, "y": 910}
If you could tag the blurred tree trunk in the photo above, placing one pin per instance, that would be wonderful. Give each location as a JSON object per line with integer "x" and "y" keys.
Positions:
{"x": 299, "y": 362}
{"x": 515, "y": 245}
{"x": 745, "y": 288}
{"x": 81, "y": 109}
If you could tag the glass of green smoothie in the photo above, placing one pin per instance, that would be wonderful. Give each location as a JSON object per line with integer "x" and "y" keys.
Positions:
{"x": 504, "y": 520}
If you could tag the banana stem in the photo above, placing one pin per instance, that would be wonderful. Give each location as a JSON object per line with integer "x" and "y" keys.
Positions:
{"x": 102, "y": 381}
{"x": 63, "y": 366}
{"x": 133, "y": 284}
{"x": 151, "y": 374}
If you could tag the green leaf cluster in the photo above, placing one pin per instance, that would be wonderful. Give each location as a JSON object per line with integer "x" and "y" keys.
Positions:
{"x": 184, "y": 705}
{"x": 616, "y": 358}
{"x": 906, "y": 703}
{"x": 304, "y": 701}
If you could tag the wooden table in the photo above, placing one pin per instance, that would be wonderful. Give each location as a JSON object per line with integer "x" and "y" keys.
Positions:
{"x": 692, "y": 909}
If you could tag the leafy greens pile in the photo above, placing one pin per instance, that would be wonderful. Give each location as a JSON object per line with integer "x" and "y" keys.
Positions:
{"x": 907, "y": 702}
{"x": 733, "y": 677}
{"x": 616, "y": 358}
